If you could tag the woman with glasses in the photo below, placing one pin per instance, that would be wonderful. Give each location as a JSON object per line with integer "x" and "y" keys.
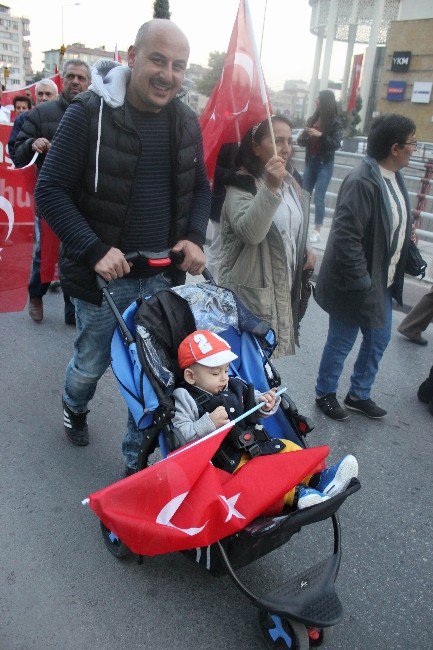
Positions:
{"x": 264, "y": 225}
{"x": 321, "y": 138}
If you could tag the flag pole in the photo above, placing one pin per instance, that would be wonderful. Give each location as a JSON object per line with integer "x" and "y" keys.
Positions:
{"x": 260, "y": 74}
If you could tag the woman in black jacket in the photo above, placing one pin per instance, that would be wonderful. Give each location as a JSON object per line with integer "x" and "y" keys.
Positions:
{"x": 321, "y": 137}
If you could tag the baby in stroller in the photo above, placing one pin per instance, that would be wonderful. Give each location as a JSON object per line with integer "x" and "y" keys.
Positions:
{"x": 208, "y": 399}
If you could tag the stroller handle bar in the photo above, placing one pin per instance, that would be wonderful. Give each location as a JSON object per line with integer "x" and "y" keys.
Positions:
{"x": 156, "y": 260}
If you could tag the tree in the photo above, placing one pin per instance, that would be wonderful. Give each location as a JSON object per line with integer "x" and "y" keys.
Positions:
{"x": 38, "y": 76}
{"x": 161, "y": 9}
{"x": 215, "y": 62}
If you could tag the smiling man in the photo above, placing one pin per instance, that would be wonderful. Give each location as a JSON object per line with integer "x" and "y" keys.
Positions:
{"x": 125, "y": 173}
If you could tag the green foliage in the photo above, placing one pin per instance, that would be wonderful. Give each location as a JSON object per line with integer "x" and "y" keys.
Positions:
{"x": 351, "y": 119}
{"x": 161, "y": 9}
{"x": 38, "y": 76}
{"x": 215, "y": 62}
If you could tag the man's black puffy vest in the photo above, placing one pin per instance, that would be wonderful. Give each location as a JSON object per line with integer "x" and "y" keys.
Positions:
{"x": 107, "y": 207}
{"x": 237, "y": 398}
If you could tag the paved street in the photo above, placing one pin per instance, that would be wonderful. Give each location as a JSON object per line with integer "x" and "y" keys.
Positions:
{"x": 59, "y": 586}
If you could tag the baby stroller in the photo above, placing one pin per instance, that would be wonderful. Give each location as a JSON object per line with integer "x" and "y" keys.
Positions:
{"x": 300, "y": 613}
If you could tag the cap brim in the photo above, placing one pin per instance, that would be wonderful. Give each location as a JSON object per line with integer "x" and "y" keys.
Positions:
{"x": 218, "y": 359}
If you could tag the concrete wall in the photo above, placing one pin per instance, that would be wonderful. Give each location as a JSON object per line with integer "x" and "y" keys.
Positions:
{"x": 415, "y": 36}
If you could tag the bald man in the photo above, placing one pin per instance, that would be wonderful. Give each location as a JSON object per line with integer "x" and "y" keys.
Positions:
{"x": 125, "y": 172}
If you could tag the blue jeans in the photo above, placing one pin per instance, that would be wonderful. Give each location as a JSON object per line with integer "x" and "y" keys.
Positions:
{"x": 318, "y": 174}
{"x": 340, "y": 341}
{"x": 95, "y": 328}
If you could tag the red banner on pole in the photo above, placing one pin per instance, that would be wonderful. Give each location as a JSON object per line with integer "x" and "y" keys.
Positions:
{"x": 16, "y": 228}
{"x": 236, "y": 102}
{"x": 354, "y": 85}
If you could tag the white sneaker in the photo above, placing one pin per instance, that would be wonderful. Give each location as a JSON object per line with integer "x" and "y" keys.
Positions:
{"x": 315, "y": 237}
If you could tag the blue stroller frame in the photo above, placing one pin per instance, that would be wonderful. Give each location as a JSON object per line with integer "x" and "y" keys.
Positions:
{"x": 302, "y": 612}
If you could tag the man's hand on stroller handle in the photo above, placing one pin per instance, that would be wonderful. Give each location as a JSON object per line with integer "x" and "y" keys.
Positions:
{"x": 113, "y": 265}
{"x": 219, "y": 417}
{"x": 194, "y": 260}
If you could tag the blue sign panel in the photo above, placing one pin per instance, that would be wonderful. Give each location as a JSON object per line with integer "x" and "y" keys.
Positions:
{"x": 396, "y": 91}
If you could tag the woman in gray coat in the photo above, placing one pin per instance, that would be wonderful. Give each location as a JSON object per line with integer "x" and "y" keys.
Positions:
{"x": 264, "y": 224}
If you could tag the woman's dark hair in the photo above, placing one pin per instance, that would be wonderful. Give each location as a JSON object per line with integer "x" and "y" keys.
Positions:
{"x": 387, "y": 130}
{"x": 327, "y": 111}
{"x": 256, "y": 134}
{"x": 22, "y": 98}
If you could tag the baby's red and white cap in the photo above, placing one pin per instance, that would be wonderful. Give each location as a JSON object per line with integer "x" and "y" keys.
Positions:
{"x": 205, "y": 348}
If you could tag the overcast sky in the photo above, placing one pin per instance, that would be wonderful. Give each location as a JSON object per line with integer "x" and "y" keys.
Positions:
{"x": 288, "y": 46}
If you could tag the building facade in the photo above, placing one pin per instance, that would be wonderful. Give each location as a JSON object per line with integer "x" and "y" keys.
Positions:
{"x": 15, "y": 56}
{"x": 407, "y": 75}
{"x": 79, "y": 51}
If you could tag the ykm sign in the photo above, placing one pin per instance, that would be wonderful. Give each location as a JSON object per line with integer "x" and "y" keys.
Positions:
{"x": 400, "y": 61}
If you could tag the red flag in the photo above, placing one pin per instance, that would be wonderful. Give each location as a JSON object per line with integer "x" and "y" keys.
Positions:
{"x": 356, "y": 76}
{"x": 237, "y": 102}
{"x": 16, "y": 228}
{"x": 184, "y": 501}
{"x": 117, "y": 56}
{"x": 8, "y": 96}
{"x": 50, "y": 245}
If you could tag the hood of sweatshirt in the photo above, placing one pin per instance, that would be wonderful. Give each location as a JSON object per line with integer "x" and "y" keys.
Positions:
{"x": 109, "y": 81}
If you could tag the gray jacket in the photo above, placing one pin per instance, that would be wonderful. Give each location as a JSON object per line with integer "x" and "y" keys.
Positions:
{"x": 352, "y": 281}
{"x": 254, "y": 261}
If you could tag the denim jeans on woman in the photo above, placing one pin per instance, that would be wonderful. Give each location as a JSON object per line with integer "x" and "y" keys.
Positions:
{"x": 317, "y": 174}
{"x": 341, "y": 339}
{"x": 95, "y": 327}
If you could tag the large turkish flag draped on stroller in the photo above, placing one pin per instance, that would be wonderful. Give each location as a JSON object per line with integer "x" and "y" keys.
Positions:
{"x": 238, "y": 100}
{"x": 185, "y": 502}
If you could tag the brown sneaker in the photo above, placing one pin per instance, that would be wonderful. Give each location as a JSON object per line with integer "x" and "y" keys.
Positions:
{"x": 36, "y": 309}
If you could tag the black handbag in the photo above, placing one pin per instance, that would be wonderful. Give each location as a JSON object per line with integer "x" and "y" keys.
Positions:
{"x": 415, "y": 265}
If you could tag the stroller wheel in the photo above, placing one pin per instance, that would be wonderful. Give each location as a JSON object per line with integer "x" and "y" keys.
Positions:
{"x": 283, "y": 633}
{"x": 322, "y": 637}
{"x": 114, "y": 545}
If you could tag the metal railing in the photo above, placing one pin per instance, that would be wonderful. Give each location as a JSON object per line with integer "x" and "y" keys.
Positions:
{"x": 420, "y": 198}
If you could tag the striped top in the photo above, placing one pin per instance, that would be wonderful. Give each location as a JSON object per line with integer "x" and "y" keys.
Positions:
{"x": 149, "y": 225}
{"x": 399, "y": 220}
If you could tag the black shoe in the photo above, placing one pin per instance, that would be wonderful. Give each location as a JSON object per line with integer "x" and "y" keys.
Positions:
{"x": 76, "y": 428}
{"x": 70, "y": 319}
{"x": 366, "y": 406}
{"x": 419, "y": 340}
{"x": 425, "y": 391}
{"x": 331, "y": 407}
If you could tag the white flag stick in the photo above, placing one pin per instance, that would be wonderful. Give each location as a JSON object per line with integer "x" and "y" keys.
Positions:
{"x": 260, "y": 73}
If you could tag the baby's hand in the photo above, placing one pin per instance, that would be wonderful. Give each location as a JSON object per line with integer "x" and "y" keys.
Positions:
{"x": 219, "y": 417}
{"x": 270, "y": 398}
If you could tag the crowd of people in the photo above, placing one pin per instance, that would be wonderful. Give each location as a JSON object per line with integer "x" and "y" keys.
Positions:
{"x": 121, "y": 168}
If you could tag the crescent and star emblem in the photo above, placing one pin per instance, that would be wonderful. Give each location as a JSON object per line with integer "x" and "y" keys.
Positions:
{"x": 169, "y": 510}
{"x": 6, "y": 206}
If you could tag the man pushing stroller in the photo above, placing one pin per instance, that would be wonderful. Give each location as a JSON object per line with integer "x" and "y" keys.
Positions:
{"x": 208, "y": 399}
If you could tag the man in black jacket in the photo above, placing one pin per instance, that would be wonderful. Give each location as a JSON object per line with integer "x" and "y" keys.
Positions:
{"x": 125, "y": 172}
{"x": 36, "y": 134}
{"x": 364, "y": 264}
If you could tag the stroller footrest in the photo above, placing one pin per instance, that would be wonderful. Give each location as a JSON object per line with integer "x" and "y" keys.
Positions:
{"x": 308, "y": 597}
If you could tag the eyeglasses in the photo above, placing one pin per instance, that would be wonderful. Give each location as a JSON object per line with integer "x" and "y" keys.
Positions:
{"x": 414, "y": 143}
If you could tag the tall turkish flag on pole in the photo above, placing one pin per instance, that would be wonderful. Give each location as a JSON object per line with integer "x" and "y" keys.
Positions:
{"x": 184, "y": 501}
{"x": 239, "y": 99}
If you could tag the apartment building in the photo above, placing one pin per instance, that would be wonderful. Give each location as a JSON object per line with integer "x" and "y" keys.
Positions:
{"x": 15, "y": 56}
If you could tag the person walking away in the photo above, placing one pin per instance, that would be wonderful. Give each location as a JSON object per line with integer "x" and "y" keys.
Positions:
{"x": 321, "y": 138}
{"x": 418, "y": 319}
{"x": 128, "y": 171}
{"x": 363, "y": 265}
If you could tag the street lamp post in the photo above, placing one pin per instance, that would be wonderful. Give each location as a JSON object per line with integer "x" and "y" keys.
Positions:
{"x": 71, "y": 4}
